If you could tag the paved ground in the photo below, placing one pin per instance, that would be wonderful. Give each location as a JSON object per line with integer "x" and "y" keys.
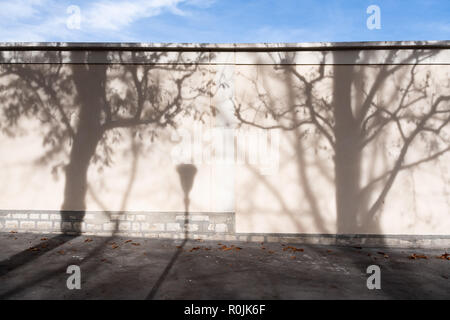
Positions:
{"x": 116, "y": 268}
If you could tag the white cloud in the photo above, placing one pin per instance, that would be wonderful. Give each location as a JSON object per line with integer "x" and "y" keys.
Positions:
{"x": 108, "y": 15}
{"x": 45, "y": 20}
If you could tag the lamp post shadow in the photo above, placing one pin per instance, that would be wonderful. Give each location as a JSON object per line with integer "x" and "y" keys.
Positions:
{"x": 186, "y": 172}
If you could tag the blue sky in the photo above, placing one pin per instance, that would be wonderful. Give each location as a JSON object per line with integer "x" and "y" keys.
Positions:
{"x": 221, "y": 21}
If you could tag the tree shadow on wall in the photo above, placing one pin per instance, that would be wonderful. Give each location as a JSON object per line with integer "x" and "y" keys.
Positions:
{"x": 85, "y": 106}
{"x": 365, "y": 106}
{"x": 363, "y": 116}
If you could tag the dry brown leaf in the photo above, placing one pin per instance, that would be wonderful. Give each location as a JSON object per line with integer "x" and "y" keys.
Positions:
{"x": 417, "y": 256}
{"x": 44, "y": 239}
{"x": 88, "y": 240}
{"x": 135, "y": 243}
{"x": 128, "y": 241}
{"x": 12, "y": 231}
{"x": 114, "y": 246}
{"x": 61, "y": 251}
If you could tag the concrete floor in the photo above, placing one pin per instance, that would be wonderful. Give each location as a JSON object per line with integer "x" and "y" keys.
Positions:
{"x": 114, "y": 268}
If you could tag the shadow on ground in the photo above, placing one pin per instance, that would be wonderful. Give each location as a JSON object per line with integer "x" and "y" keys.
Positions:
{"x": 122, "y": 268}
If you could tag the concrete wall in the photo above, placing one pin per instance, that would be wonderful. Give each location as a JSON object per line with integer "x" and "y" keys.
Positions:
{"x": 285, "y": 140}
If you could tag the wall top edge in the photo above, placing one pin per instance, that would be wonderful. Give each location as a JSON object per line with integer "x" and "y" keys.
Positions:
{"x": 218, "y": 47}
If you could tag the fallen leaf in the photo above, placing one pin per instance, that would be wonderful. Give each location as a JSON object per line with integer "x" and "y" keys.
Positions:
{"x": 444, "y": 256}
{"x": 178, "y": 247}
{"x": 61, "y": 251}
{"x": 43, "y": 239}
{"x": 135, "y": 244}
{"x": 114, "y": 246}
{"x": 293, "y": 249}
{"x": 270, "y": 251}
{"x": 88, "y": 240}
{"x": 417, "y": 256}
{"x": 194, "y": 249}
{"x": 128, "y": 241}
{"x": 329, "y": 251}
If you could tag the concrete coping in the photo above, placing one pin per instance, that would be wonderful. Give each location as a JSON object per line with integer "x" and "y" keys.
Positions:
{"x": 223, "y": 47}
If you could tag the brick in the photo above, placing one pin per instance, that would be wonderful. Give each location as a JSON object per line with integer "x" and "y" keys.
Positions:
{"x": 109, "y": 226}
{"x": 34, "y": 216}
{"x": 66, "y": 225}
{"x": 141, "y": 217}
{"x": 211, "y": 227}
{"x": 124, "y": 226}
{"x": 136, "y": 234}
{"x": 136, "y": 226}
{"x": 44, "y": 216}
{"x": 151, "y": 235}
{"x": 55, "y": 217}
{"x": 93, "y": 227}
{"x": 20, "y": 216}
{"x": 27, "y": 224}
{"x": 165, "y": 235}
{"x": 173, "y": 227}
{"x": 89, "y": 216}
{"x": 243, "y": 238}
{"x": 221, "y": 227}
{"x": 257, "y": 238}
{"x": 199, "y": 218}
{"x": 192, "y": 227}
{"x": 44, "y": 225}
{"x": 273, "y": 239}
{"x": 118, "y": 217}
{"x": 130, "y": 217}
{"x": 152, "y": 226}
